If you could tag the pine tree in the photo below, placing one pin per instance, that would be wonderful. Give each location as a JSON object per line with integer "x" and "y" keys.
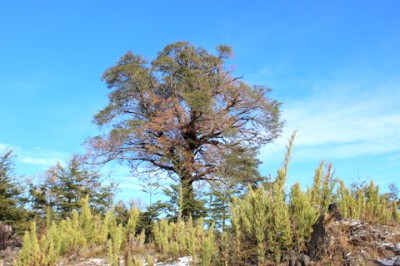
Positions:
{"x": 220, "y": 195}
{"x": 65, "y": 186}
{"x": 30, "y": 254}
{"x": 208, "y": 248}
{"x": 87, "y": 220}
{"x": 174, "y": 206}
{"x": 321, "y": 192}
{"x": 261, "y": 218}
{"x": 12, "y": 210}
{"x": 240, "y": 173}
{"x": 280, "y": 216}
{"x": 303, "y": 215}
{"x": 182, "y": 113}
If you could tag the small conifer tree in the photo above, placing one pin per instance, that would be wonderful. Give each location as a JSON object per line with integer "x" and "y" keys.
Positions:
{"x": 30, "y": 254}
{"x": 208, "y": 248}
{"x": 303, "y": 215}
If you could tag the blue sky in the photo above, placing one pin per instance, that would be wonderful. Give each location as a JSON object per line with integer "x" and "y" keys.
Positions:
{"x": 335, "y": 66}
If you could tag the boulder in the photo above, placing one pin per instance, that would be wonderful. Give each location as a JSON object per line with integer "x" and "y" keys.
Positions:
{"x": 5, "y": 235}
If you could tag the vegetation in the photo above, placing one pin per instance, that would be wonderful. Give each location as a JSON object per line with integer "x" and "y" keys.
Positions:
{"x": 183, "y": 113}
{"x": 64, "y": 187}
{"x": 264, "y": 225}
{"x": 12, "y": 202}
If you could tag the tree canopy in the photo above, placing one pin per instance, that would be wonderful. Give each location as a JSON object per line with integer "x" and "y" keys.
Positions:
{"x": 184, "y": 113}
{"x": 12, "y": 202}
{"x": 65, "y": 185}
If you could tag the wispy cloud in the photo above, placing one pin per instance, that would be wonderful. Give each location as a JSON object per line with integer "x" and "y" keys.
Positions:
{"x": 4, "y": 147}
{"x": 41, "y": 157}
{"x": 344, "y": 123}
{"x": 38, "y": 159}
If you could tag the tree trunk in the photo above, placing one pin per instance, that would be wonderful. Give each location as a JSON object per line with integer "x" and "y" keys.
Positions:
{"x": 188, "y": 200}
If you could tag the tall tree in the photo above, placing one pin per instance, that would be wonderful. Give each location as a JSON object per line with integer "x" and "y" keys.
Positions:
{"x": 12, "y": 210}
{"x": 175, "y": 205}
{"x": 240, "y": 173}
{"x": 183, "y": 113}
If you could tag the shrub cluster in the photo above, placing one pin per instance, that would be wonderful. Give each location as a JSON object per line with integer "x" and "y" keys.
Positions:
{"x": 265, "y": 225}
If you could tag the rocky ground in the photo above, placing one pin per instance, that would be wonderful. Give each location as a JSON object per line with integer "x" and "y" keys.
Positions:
{"x": 360, "y": 243}
{"x": 353, "y": 242}
{"x": 184, "y": 261}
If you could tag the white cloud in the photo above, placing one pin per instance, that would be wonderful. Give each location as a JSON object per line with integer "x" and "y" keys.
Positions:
{"x": 130, "y": 186}
{"x": 38, "y": 161}
{"x": 3, "y": 147}
{"x": 36, "y": 156}
{"x": 344, "y": 123}
{"x": 41, "y": 157}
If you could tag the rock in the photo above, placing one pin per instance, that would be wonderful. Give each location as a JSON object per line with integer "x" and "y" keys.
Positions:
{"x": 319, "y": 238}
{"x": 73, "y": 257}
{"x": 318, "y": 241}
{"x": 5, "y": 235}
{"x": 397, "y": 261}
{"x": 353, "y": 259}
{"x": 292, "y": 259}
{"x": 304, "y": 260}
{"x": 386, "y": 246}
{"x": 334, "y": 212}
{"x": 7, "y": 255}
{"x": 365, "y": 255}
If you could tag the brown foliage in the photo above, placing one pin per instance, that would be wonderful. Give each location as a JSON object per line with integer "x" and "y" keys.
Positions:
{"x": 182, "y": 113}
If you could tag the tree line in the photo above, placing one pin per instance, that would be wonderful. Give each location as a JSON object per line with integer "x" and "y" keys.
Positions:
{"x": 263, "y": 225}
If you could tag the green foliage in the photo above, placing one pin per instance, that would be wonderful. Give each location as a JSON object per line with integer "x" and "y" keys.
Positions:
{"x": 175, "y": 205}
{"x": 261, "y": 220}
{"x": 321, "y": 192}
{"x": 65, "y": 186}
{"x": 183, "y": 113}
{"x": 225, "y": 249}
{"x": 146, "y": 219}
{"x": 395, "y": 212}
{"x": 348, "y": 203}
{"x": 303, "y": 215}
{"x": 113, "y": 258}
{"x": 130, "y": 227}
{"x": 12, "y": 210}
{"x": 150, "y": 260}
{"x": 221, "y": 195}
{"x": 78, "y": 233}
{"x": 52, "y": 244}
{"x": 365, "y": 202}
{"x": 87, "y": 221}
{"x": 28, "y": 253}
{"x": 208, "y": 248}
{"x": 265, "y": 227}
{"x": 183, "y": 238}
{"x": 280, "y": 210}
{"x": 240, "y": 173}
{"x": 265, "y": 224}
{"x": 43, "y": 252}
